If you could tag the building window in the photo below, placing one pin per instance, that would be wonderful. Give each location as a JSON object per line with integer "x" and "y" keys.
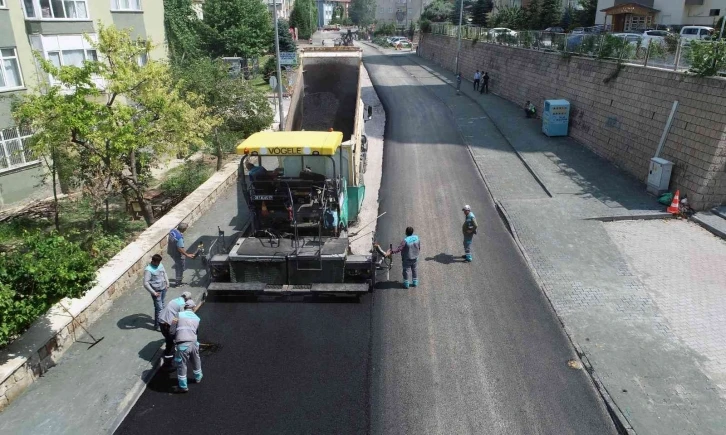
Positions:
{"x": 637, "y": 22}
{"x": 10, "y": 76}
{"x": 126, "y": 5}
{"x": 71, "y": 57}
{"x": 714, "y": 12}
{"x": 2, "y": 4}
{"x": 56, "y": 9}
{"x": 13, "y": 150}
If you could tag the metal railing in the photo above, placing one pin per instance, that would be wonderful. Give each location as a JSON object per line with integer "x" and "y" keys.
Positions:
{"x": 664, "y": 53}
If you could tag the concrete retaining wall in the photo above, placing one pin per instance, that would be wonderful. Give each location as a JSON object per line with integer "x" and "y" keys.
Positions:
{"x": 24, "y": 360}
{"x": 618, "y": 113}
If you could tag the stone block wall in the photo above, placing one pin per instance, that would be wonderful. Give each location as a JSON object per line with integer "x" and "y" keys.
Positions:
{"x": 43, "y": 344}
{"x": 617, "y": 112}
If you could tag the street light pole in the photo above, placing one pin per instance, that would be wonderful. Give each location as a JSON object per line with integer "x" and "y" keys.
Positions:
{"x": 279, "y": 70}
{"x": 458, "y": 47}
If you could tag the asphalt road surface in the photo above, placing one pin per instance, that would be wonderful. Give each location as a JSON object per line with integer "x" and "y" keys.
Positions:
{"x": 475, "y": 349}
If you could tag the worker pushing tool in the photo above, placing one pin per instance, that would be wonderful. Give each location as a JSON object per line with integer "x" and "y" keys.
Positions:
{"x": 187, "y": 347}
{"x": 410, "y": 247}
{"x": 177, "y": 250}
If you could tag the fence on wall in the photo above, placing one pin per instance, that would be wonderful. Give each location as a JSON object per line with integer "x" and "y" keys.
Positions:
{"x": 666, "y": 53}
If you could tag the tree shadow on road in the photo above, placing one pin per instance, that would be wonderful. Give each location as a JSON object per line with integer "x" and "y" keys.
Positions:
{"x": 444, "y": 258}
{"x": 136, "y": 321}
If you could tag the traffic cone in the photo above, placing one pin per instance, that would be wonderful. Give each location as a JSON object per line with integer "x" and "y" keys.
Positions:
{"x": 674, "y": 209}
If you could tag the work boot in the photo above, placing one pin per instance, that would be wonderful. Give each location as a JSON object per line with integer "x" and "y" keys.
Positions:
{"x": 415, "y": 283}
{"x": 405, "y": 284}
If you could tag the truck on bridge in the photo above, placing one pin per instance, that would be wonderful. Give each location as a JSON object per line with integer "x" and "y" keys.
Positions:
{"x": 302, "y": 187}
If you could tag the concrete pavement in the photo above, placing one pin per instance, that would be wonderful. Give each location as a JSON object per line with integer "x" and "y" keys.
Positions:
{"x": 641, "y": 299}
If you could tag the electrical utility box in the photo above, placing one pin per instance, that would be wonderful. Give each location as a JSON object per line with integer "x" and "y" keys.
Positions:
{"x": 659, "y": 175}
{"x": 556, "y": 117}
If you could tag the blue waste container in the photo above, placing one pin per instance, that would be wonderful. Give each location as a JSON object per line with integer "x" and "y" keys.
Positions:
{"x": 556, "y": 117}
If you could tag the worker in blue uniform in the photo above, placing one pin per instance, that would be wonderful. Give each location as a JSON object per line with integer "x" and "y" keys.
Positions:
{"x": 410, "y": 247}
{"x": 185, "y": 331}
{"x": 469, "y": 229}
{"x": 167, "y": 317}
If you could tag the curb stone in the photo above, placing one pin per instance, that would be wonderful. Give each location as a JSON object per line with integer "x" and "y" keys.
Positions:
{"x": 619, "y": 420}
{"x": 40, "y": 347}
{"x": 707, "y": 226}
{"x": 140, "y": 386}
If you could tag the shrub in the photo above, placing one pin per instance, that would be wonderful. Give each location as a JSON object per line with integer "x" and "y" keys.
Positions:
{"x": 185, "y": 179}
{"x": 707, "y": 58}
{"x": 425, "y": 26}
{"x": 44, "y": 269}
{"x": 269, "y": 68}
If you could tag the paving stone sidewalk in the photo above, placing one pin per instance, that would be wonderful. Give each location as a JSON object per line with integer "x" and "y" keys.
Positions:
{"x": 642, "y": 299}
{"x": 89, "y": 389}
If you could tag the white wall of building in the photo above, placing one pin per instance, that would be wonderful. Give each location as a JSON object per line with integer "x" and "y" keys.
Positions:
{"x": 675, "y": 12}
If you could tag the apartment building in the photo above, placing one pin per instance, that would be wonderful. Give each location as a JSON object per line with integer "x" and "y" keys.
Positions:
{"x": 399, "y": 12}
{"x": 54, "y": 28}
{"x": 626, "y": 15}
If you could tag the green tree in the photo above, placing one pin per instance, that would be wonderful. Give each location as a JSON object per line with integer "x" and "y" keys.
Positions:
{"x": 242, "y": 108}
{"x": 512, "y": 17}
{"x": 532, "y": 15}
{"x": 438, "y": 11}
{"x": 551, "y": 13}
{"x": 237, "y": 28}
{"x": 287, "y": 44}
{"x": 362, "y": 12}
{"x": 586, "y": 15}
{"x": 120, "y": 117}
{"x": 304, "y": 18}
{"x": 454, "y": 17}
{"x": 182, "y": 30}
{"x": 480, "y": 12}
{"x": 567, "y": 18}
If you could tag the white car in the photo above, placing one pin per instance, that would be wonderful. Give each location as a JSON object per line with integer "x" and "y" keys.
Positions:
{"x": 393, "y": 39}
{"x": 696, "y": 32}
{"x": 500, "y": 31}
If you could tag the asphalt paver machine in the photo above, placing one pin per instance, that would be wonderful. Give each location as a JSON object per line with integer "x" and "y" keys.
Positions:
{"x": 293, "y": 187}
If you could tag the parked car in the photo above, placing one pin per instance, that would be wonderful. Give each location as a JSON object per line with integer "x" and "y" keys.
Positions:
{"x": 632, "y": 38}
{"x": 392, "y": 39}
{"x": 500, "y": 31}
{"x": 573, "y": 41}
{"x": 554, "y": 30}
{"x": 696, "y": 32}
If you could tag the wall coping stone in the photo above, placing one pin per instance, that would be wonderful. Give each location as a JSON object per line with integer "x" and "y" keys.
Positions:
{"x": 46, "y": 335}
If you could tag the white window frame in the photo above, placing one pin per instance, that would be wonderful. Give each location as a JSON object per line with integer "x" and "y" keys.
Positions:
{"x": 3, "y": 4}
{"x": 117, "y": 6}
{"x": 39, "y": 12}
{"x": 60, "y": 43}
{"x": 2, "y": 70}
{"x": 19, "y": 138}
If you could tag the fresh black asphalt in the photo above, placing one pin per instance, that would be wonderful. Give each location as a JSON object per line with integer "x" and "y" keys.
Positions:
{"x": 475, "y": 349}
